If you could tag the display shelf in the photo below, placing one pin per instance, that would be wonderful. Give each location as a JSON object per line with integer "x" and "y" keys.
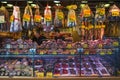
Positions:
{"x": 42, "y": 55}
{"x": 64, "y": 78}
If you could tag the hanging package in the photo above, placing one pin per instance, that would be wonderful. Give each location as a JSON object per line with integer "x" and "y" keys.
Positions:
{"x": 59, "y": 17}
{"x": 113, "y": 22}
{"x": 47, "y": 19}
{"x": 15, "y": 20}
{"x": 86, "y": 16}
{"x": 99, "y": 21}
{"x": 71, "y": 21}
{"x": 4, "y": 19}
{"x": 37, "y": 17}
{"x": 28, "y": 18}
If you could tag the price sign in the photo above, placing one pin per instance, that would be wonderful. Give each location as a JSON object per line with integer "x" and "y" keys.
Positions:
{"x": 115, "y": 13}
{"x": 8, "y": 46}
{"x": 2, "y": 19}
{"x": 37, "y": 18}
{"x": 102, "y": 53}
{"x": 41, "y": 52}
{"x": 40, "y": 74}
{"x": 54, "y": 52}
{"x": 48, "y": 17}
{"x": 87, "y": 13}
{"x": 11, "y": 18}
{"x": 101, "y": 11}
{"x": 72, "y": 52}
{"x": 26, "y": 17}
{"x": 60, "y": 15}
{"x": 69, "y": 46}
{"x": 49, "y": 74}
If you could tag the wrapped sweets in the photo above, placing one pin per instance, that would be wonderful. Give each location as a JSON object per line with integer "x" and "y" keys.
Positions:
{"x": 87, "y": 22}
{"x": 37, "y": 17}
{"x": 15, "y": 20}
{"x": 47, "y": 19}
{"x": 99, "y": 21}
{"x": 28, "y": 18}
{"x": 71, "y": 21}
{"x": 59, "y": 17}
{"x": 113, "y": 21}
{"x": 4, "y": 19}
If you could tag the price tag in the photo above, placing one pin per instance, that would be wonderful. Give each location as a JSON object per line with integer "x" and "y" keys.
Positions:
{"x": 109, "y": 52}
{"x": 11, "y": 18}
{"x": 21, "y": 46}
{"x": 37, "y": 18}
{"x": 87, "y": 13}
{"x": 83, "y": 26}
{"x": 2, "y": 19}
{"x": 116, "y": 43}
{"x": 48, "y": 17}
{"x": 85, "y": 45}
{"x": 16, "y": 52}
{"x": 69, "y": 46}
{"x": 103, "y": 26}
{"x": 40, "y": 74}
{"x": 49, "y": 74}
{"x": 72, "y": 52}
{"x": 41, "y": 52}
{"x": 86, "y": 52}
{"x": 60, "y": 15}
{"x": 101, "y": 11}
{"x": 115, "y": 13}
{"x": 102, "y": 53}
{"x": 8, "y": 46}
{"x": 72, "y": 18}
{"x": 54, "y": 52}
{"x": 26, "y": 17}
{"x": 100, "y": 45}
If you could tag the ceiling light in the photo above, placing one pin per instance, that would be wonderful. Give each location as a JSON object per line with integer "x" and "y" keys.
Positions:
{"x": 56, "y": 1}
{"x": 58, "y": 4}
{"x": 9, "y": 5}
{"x": 30, "y": 1}
{"x": 84, "y": 1}
{"x": 33, "y": 5}
{"x": 4, "y": 2}
{"x": 107, "y": 5}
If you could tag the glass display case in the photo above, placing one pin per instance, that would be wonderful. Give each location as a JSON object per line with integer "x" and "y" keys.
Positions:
{"x": 23, "y": 58}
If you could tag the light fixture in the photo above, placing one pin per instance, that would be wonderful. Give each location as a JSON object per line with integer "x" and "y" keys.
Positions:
{"x": 9, "y": 5}
{"x": 49, "y": 6}
{"x": 58, "y": 4}
{"x": 82, "y": 5}
{"x": 56, "y": 1}
{"x": 84, "y": 1}
{"x": 4, "y": 2}
{"x": 30, "y": 1}
{"x": 106, "y": 5}
{"x": 33, "y": 5}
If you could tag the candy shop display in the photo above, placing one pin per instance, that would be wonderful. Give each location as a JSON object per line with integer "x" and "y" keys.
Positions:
{"x": 15, "y": 20}
{"x": 4, "y": 19}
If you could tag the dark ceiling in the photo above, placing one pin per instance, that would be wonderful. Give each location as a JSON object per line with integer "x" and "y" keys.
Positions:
{"x": 43, "y": 3}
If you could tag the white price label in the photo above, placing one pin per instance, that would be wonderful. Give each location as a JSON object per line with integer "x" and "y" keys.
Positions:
{"x": 2, "y": 19}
